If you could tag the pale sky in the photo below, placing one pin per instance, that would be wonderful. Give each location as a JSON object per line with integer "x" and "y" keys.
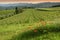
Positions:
{"x": 26, "y": 1}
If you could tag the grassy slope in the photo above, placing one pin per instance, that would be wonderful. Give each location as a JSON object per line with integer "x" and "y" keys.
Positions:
{"x": 22, "y": 25}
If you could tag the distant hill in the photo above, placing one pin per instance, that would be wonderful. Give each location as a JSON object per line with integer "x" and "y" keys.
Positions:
{"x": 46, "y": 4}
{"x": 56, "y": 6}
{"x": 38, "y": 5}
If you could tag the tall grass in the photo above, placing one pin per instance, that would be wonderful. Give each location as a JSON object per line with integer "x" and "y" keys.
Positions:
{"x": 32, "y": 24}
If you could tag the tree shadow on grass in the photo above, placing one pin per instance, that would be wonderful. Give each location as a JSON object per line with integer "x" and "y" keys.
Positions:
{"x": 40, "y": 31}
{"x": 28, "y": 35}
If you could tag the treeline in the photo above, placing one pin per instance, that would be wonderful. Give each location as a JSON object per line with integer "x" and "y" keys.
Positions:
{"x": 56, "y": 6}
{"x": 16, "y": 11}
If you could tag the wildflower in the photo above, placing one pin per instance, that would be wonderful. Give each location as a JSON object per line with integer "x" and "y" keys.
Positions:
{"x": 43, "y": 23}
{"x": 35, "y": 30}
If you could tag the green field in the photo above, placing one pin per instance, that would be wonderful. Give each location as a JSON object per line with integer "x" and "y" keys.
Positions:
{"x": 31, "y": 24}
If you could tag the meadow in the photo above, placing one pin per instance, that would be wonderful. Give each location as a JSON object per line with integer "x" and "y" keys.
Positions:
{"x": 31, "y": 24}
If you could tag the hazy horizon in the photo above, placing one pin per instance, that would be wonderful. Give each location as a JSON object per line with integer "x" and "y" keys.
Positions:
{"x": 24, "y": 2}
{"x": 27, "y": 1}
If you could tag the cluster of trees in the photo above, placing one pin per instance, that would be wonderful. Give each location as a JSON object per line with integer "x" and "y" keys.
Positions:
{"x": 56, "y": 6}
{"x": 28, "y": 7}
{"x": 17, "y": 11}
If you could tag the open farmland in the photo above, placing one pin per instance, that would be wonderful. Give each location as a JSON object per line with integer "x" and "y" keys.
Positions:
{"x": 31, "y": 24}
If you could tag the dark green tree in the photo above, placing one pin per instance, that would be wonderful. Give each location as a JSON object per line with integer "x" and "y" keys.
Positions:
{"x": 16, "y": 10}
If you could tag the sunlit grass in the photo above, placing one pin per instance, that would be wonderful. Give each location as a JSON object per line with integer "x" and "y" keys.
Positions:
{"x": 32, "y": 24}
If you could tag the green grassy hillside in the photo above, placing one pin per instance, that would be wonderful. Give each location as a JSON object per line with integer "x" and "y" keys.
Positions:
{"x": 32, "y": 24}
{"x": 6, "y": 13}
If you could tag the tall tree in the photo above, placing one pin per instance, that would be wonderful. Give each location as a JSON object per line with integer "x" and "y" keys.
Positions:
{"x": 16, "y": 10}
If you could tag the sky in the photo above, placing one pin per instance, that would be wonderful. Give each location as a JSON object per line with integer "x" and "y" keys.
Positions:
{"x": 29, "y": 1}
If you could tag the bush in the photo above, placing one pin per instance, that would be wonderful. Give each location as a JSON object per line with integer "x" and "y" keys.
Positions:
{"x": 1, "y": 18}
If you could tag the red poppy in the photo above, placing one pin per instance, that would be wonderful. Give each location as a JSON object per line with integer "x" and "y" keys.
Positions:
{"x": 35, "y": 30}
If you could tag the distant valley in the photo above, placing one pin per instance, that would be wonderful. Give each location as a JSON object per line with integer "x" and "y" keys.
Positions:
{"x": 22, "y": 5}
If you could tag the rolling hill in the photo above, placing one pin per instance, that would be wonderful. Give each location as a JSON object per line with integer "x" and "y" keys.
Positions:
{"x": 32, "y": 24}
{"x": 21, "y": 5}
